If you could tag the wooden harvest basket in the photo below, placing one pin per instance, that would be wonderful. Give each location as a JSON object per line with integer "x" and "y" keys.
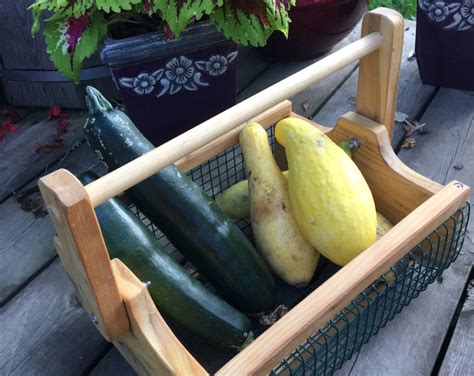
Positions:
{"x": 334, "y": 320}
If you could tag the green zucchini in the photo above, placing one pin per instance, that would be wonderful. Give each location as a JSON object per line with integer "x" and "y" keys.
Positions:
{"x": 188, "y": 217}
{"x": 176, "y": 294}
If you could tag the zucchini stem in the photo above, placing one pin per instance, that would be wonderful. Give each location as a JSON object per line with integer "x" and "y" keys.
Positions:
{"x": 96, "y": 102}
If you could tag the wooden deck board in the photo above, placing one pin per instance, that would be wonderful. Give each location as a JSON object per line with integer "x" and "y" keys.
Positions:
{"x": 250, "y": 66}
{"x": 307, "y": 102}
{"x": 45, "y": 331}
{"x": 459, "y": 359}
{"x": 18, "y": 160}
{"x": 410, "y": 343}
{"x": 25, "y": 239}
{"x": 113, "y": 364}
{"x": 412, "y": 94}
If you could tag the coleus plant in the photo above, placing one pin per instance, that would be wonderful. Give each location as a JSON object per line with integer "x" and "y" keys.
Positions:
{"x": 76, "y": 27}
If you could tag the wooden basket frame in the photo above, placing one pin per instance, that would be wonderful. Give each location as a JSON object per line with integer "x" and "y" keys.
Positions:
{"x": 120, "y": 305}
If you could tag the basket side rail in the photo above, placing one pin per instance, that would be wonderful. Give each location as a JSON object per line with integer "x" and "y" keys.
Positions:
{"x": 117, "y": 302}
{"x": 314, "y": 312}
{"x": 83, "y": 253}
{"x": 150, "y": 345}
{"x": 383, "y": 25}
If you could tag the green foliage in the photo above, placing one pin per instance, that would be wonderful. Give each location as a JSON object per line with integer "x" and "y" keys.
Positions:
{"x": 252, "y": 22}
{"x": 68, "y": 46}
{"x": 407, "y": 8}
{"x": 76, "y": 27}
{"x": 178, "y": 13}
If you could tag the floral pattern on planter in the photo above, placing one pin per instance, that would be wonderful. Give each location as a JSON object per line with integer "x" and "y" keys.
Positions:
{"x": 144, "y": 83}
{"x": 179, "y": 73}
{"x": 460, "y": 15}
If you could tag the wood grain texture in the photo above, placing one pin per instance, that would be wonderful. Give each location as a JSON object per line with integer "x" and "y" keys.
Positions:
{"x": 424, "y": 323}
{"x": 19, "y": 161}
{"x": 45, "y": 331}
{"x": 19, "y": 51}
{"x": 150, "y": 346}
{"x": 322, "y": 304}
{"x": 141, "y": 168}
{"x": 308, "y": 101}
{"x": 378, "y": 72}
{"x": 25, "y": 239}
{"x": 81, "y": 248}
{"x": 65, "y": 94}
{"x": 412, "y": 94}
{"x": 17, "y": 48}
{"x": 459, "y": 359}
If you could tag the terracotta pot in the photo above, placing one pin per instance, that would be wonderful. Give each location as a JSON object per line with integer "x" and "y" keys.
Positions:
{"x": 445, "y": 43}
{"x": 316, "y": 27}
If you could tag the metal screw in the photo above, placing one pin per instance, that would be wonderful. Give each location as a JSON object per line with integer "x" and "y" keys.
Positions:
{"x": 94, "y": 319}
{"x": 354, "y": 143}
{"x": 147, "y": 284}
{"x": 458, "y": 185}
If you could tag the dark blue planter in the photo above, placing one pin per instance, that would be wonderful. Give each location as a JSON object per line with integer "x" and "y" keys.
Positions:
{"x": 170, "y": 87}
{"x": 445, "y": 43}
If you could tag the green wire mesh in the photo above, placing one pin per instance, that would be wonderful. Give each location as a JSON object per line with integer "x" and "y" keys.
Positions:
{"x": 327, "y": 349}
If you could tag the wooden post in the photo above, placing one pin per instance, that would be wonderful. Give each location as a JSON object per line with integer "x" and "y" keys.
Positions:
{"x": 379, "y": 71}
{"x": 82, "y": 250}
{"x": 150, "y": 346}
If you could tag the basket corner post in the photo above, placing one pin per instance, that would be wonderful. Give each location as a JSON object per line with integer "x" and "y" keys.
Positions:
{"x": 83, "y": 253}
{"x": 379, "y": 71}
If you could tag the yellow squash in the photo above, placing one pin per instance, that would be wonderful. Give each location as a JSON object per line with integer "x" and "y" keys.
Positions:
{"x": 383, "y": 225}
{"x": 234, "y": 201}
{"x": 275, "y": 230}
{"x": 331, "y": 200}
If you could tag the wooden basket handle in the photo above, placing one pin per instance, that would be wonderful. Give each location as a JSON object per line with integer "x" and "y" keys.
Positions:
{"x": 380, "y": 45}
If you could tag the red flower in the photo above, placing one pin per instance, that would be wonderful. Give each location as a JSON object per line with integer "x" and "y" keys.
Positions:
{"x": 6, "y": 127}
{"x": 62, "y": 126}
{"x": 54, "y": 111}
{"x": 9, "y": 126}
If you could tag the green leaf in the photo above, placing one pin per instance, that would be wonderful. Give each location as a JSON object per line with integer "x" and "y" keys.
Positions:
{"x": 277, "y": 14}
{"x": 78, "y": 8}
{"x": 178, "y": 13}
{"x": 36, "y": 13}
{"x": 69, "y": 46}
{"x": 116, "y": 6}
{"x": 241, "y": 27}
{"x": 252, "y": 21}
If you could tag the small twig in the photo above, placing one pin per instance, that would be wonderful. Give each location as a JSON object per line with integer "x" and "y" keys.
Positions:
{"x": 273, "y": 316}
{"x": 411, "y": 127}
